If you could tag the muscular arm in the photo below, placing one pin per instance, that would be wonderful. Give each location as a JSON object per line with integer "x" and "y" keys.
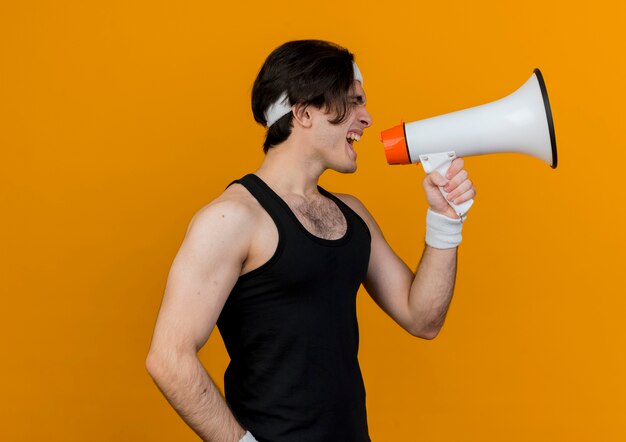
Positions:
{"x": 418, "y": 301}
{"x": 202, "y": 275}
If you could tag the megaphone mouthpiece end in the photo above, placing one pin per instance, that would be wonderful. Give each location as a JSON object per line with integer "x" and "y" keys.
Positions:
{"x": 396, "y": 149}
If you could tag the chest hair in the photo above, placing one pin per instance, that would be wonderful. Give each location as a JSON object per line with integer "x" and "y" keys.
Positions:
{"x": 320, "y": 216}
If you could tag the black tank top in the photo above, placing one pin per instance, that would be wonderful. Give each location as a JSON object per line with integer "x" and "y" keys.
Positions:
{"x": 290, "y": 329}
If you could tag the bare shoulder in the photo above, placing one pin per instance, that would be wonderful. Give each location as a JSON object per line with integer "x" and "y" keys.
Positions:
{"x": 227, "y": 224}
{"x": 235, "y": 208}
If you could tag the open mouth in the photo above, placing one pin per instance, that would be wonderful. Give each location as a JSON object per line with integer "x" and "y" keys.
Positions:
{"x": 352, "y": 137}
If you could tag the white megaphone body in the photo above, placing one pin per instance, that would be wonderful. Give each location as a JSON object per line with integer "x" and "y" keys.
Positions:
{"x": 518, "y": 123}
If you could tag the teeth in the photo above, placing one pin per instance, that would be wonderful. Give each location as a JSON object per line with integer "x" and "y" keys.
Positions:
{"x": 353, "y": 136}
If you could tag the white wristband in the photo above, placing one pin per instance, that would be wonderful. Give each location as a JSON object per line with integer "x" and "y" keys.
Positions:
{"x": 248, "y": 437}
{"x": 443, "y": 232}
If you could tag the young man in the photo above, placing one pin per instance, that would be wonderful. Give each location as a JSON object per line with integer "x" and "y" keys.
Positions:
{"x": 276, "y": 262}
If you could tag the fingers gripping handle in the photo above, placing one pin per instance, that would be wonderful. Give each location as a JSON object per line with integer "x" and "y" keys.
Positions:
{"x": 441, "y": 163}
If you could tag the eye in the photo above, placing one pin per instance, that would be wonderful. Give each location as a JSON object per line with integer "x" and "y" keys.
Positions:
{"x": 358, "y": 99}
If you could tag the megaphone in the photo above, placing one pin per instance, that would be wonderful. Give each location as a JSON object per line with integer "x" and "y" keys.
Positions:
{"x": 519, "y": 123}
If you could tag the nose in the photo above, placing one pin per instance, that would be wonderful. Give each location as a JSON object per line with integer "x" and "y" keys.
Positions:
{"x": 365, "y": 118}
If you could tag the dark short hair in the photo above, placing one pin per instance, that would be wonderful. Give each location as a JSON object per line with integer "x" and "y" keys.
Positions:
{"x": 311, "y": 72}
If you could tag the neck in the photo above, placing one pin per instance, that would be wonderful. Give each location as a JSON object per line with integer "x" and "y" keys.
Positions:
{"x": 289, "y": 169}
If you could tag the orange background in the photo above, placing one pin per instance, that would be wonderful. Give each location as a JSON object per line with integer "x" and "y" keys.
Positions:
{"x": 119, "y": 120}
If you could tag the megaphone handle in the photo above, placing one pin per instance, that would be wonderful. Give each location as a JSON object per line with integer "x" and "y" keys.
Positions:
{"x": 441, "y": 163}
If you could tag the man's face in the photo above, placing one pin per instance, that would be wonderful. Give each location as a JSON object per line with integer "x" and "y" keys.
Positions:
{"x": 336, "y": 143}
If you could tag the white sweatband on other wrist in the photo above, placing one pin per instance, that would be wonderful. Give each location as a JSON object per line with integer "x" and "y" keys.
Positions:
{"x": 248, "y": 437}
{"x": 443, "y": 232}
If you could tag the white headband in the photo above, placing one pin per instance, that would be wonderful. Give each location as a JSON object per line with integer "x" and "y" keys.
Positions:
{"x": 282, "y": 107}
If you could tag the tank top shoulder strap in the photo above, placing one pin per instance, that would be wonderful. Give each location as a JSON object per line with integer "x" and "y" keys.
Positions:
{"x": 258, "y": 189}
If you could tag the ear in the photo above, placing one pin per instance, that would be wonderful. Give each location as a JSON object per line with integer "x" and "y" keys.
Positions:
{"x": 302, "y": 115}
